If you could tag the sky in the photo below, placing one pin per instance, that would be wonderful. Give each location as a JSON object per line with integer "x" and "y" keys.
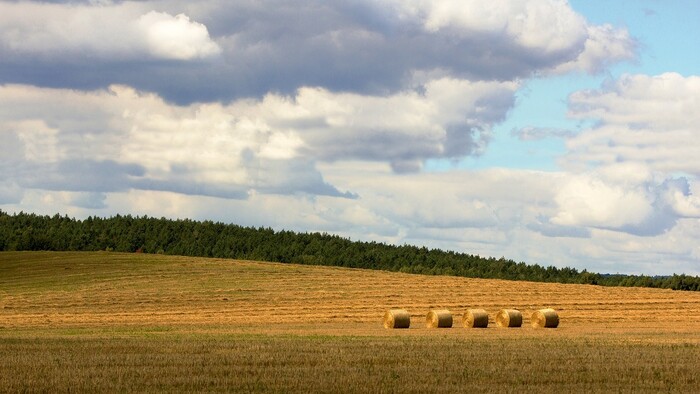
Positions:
{"x": 545, "y": 131}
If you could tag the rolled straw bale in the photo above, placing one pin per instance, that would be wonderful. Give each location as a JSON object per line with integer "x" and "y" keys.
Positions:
{"x": 439, "y": 318}
{"x": 509, "y": 318}
{"x": 545, "y": 318}
{"x": 397, "y": 318}
{"x": 475, "y": 318}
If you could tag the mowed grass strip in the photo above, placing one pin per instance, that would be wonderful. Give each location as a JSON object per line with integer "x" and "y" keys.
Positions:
{"x": 342, "y": 364}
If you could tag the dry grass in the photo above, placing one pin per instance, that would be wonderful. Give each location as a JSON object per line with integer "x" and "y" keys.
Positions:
{"x": 95, "y": 322}
{"x": 94, "y": 290}
{"x": 282, "y": 363}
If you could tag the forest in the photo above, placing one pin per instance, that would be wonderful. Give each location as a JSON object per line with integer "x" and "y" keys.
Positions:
{"x": 31, "y": 232}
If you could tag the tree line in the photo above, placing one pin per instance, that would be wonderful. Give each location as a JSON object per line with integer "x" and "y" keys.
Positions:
{"x": 31, "y": 232}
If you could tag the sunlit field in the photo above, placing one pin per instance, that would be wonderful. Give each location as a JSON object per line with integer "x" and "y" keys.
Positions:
{"x": 131, "y": 322}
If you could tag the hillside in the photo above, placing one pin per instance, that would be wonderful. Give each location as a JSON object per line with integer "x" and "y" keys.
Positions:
{"x": 115, "y": 289}
{"x": 208, "y": 239}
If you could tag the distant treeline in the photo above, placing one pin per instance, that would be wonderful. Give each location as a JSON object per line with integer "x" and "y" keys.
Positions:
{"x": 25, "y": 231}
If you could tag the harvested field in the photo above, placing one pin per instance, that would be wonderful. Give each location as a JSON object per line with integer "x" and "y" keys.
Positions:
{"x": 131, "y": 322}
{"x": 42, "y": 290}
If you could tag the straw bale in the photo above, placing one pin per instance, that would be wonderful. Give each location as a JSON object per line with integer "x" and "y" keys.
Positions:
{"x": 545, "y": 318}
{"x": 475, "y": 318}
{"x": 397, "y": 318}
{"x": 439, "y": 318}
{"x": 509, "y": 318}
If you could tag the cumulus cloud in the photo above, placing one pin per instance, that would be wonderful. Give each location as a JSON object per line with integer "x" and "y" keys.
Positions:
{"x": 496, "y": 198}
{"x": 364, "y": 47}
{"x": 590, "y": 202}
{"x": 176, "y": 37}
{"x": 604, "y": 46}
{"x": 520, "y": 21}
{"x": 130, "y": 139}
{"x": 641, "y": 119}
{"x": 633, "y": 170}
{"x": 451, "y": 118}
{"x": 116, "y": 32}
{"x": 622, "y": 197}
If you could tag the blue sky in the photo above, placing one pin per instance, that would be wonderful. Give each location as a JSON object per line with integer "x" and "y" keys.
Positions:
{"x": 551, "y": 132}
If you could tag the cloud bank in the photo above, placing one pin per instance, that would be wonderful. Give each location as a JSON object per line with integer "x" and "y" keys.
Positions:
{"x": 224, "y": 50}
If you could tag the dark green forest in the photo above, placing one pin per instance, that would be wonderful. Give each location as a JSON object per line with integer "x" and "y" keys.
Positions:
{"x": 26, "y": 231}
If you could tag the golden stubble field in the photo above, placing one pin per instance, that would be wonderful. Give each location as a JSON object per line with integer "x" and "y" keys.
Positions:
{"x": 72, "y": 290}
{"x": 104, "y": 322}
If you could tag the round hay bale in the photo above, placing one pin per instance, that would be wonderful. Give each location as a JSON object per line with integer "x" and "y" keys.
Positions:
{"x": 545, "y": 318}
{"x": 509, "y": 318}
{"x": 439, "y": 318}
{"x": 397, "y": 318}
{"x": 475, "y": 318}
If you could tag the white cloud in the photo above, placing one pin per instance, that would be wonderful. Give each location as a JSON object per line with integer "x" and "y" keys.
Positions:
{"x": 122, "y": 31}
{"x": 454, "y": 199}
{"x": 633, "y": 171}
{"x": 370, "y": 48}
{"x": 604, "y": 45}
{"x": 679, "y": 197}
{"x": 651, "y": 120}
{"x": 176, "y": 37}
{"x": 133, "y": 139}
{"x": 590, "y": 202}
{"x": 452, "y": 118}
{"x": 522, "y": 21}
{"x": 547, "y": 27}
{"x": 40, "y": 141}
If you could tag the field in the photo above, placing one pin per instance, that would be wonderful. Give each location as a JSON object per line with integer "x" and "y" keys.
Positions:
{"x": 95, "y": 322}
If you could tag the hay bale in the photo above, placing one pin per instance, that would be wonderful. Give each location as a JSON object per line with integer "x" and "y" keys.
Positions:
{"x": 397, "y": 318}
{"x": 509, "y": 318}
{"x": 439, "y": 318}
{"x": 475, "y": 318}
{"x": 545, "y": 318}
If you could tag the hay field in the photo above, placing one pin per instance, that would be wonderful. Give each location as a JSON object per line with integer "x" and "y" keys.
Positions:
{"x": 131, "y": 322}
